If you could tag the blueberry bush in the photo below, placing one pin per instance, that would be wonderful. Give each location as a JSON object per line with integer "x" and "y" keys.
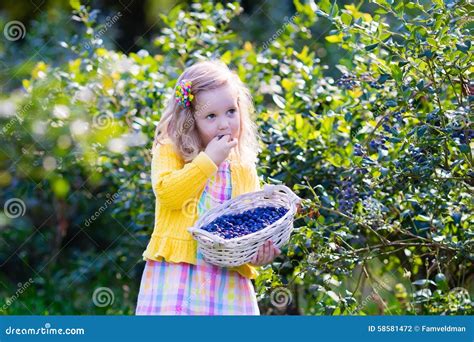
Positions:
{"x": 377, "y": 143}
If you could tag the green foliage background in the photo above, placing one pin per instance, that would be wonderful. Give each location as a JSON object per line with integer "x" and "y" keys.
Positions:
{"x": 378, "y": 142}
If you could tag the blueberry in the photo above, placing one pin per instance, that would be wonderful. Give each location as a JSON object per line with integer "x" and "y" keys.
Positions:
{"x": 358, "y": 150}
{"x": 347, "y": 81}
{"x": 250, "y": 221}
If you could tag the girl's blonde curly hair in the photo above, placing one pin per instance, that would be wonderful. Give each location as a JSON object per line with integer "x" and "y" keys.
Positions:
{"x": 178, "y": 123}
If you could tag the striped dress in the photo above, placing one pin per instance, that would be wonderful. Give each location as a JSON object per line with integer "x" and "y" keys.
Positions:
{"x": 202, "y": 289}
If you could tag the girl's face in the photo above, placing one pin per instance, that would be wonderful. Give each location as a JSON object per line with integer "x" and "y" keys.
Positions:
{"x": 217, "y": 113}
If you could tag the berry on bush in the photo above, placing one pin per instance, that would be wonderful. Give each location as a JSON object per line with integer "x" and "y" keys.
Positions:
{"x": 375, "y": 85}
{"x": 358, "y": 150}
{"x": 347, "y": 81}
{"x": 347, "y": 195}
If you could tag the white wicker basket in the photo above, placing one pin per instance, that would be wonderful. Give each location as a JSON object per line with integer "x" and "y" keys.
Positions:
{"x": 240, "y": 250}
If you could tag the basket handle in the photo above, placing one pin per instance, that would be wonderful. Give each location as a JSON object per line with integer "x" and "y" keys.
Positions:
{"x": 268, "y": 189}
{"x": 214, "y": 239}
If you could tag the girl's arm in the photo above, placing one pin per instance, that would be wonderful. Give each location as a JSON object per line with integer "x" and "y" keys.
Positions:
{"x": 174, "y": 184}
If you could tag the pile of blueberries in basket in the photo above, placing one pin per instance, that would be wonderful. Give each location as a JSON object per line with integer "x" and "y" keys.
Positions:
{"x": 248, "y": 222}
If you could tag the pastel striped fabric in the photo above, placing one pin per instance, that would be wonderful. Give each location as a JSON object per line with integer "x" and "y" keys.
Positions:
{"x": 202, "y": 289}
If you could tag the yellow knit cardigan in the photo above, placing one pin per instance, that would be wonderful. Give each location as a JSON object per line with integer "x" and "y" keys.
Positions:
{"x": 177, "y": 187}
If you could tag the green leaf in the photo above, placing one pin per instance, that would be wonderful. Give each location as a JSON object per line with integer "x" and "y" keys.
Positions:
{"x": 406, "y": 213}
{"x": 383, "y": 78}
{"x": 464, "y": 148}
{"x": 371, "y": 47}
{"x": 421, "y": 131}
{"x": 348, "y": 116}
{"x": 346, "y": 18}
{"x": 462, "y": 47}
{"x": 75, "y": 4}
{"x": 427, "y": 53}
{"x": 325, "y": 6}
{"x": 402, "y": 63}
{"x": 334, "y": 9}
{"x": 335, "y": 38}
{"x": 397, "y": 73}
{"x": 432, "y": 41}
{"x": 441, "y": 281}
{"x": 422, "y": 218}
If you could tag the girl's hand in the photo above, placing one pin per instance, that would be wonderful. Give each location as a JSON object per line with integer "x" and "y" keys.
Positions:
{"x": 218, "y": 149}
{"x": 266, "y": 253}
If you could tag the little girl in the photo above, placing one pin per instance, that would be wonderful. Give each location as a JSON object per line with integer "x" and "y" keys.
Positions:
{"x": 204, "y": 153}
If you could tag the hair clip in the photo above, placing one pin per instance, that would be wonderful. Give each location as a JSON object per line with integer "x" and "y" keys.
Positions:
{"x": 183, "y": 93}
